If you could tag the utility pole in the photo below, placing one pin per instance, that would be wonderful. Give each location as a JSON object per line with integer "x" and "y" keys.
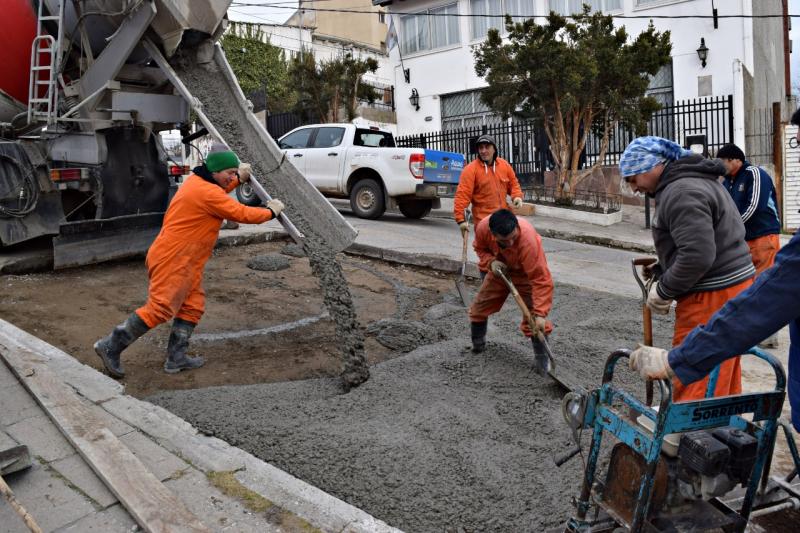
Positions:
{"x": 300, "y": 28}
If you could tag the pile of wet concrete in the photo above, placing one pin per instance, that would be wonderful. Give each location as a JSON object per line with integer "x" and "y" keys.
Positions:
{"x": 438, "y": 439}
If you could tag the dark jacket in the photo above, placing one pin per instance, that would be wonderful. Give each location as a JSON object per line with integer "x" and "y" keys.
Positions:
{"x": 754, "y": 195}
{"x": 697, "y": 230}
{"x": 753, "y": 315}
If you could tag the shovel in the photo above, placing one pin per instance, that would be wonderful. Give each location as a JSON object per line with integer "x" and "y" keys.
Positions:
{"x": 11, "y": 460}
{"x": 647, "y": 316}
{"x": 461, "y": 282}
{"x": 545, "y": 363}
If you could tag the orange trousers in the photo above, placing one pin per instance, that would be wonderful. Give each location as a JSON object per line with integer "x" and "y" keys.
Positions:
{"x": 763, "y": 251}
{"x": 694, "y": 310}
{"x": 493, "y": 294}
{"x": 176, "y": 285}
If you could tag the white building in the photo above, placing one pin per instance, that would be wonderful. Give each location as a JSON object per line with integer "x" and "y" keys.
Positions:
{"x": 746, "y": 56}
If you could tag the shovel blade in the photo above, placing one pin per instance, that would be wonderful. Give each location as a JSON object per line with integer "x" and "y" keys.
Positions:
{"x": 14, "y": 459}
{"x": 463, "y": 292}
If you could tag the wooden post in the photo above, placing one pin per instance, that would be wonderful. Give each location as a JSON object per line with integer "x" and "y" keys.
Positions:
{"x": 777, "y": 156}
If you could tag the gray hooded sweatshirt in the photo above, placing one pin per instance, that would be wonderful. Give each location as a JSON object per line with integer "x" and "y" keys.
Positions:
{"x": 697, "y": 231}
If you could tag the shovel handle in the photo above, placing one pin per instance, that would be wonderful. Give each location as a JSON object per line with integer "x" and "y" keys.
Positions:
{"x": 647, "y": 315}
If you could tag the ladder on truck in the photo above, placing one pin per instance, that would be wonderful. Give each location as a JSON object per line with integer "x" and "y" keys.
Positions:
{"x": 45, "y": 66}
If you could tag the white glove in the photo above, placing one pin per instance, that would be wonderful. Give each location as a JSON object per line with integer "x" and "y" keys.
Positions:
{"x": 650, "y": 363}
{"x": 497, "y": 267}
{"x": 276, "y": 206}
{"x": 464, "y": 227}
{"x": 517, "y": 202}
{"x": 244, "y": 172}
{"x": 656, "y": 303}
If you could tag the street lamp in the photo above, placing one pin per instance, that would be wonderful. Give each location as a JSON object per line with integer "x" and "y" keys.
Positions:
{"x": 702, "y": 52}
{"x": 414, "y": 99}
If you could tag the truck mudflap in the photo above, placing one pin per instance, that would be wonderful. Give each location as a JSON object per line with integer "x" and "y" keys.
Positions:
{"x": 93, "y": 241}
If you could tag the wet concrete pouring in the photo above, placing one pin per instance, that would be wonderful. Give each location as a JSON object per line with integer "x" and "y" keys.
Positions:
{"x": 438, "y": 439}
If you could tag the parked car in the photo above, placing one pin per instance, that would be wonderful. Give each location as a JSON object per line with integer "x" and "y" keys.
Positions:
{"x": 364, "y": 165}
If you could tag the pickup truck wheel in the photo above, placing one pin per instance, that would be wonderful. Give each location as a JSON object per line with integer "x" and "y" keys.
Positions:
{"x": 366, "y": 199}
{"x": 416, "y": 208}
{"x": 246, "y": 195}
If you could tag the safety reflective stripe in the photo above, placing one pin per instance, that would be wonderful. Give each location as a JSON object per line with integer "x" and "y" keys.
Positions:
{"x": 751, "y": 209}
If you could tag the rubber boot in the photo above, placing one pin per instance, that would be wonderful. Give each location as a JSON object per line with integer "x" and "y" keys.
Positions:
{"x": 478, "y": 336}
{"x": 541, "y": 363}
{"x": 177, "y": 359}
{"x": 110, "y": 348}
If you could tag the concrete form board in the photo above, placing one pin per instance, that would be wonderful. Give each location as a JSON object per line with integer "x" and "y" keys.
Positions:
{"x": 163, "y": 464}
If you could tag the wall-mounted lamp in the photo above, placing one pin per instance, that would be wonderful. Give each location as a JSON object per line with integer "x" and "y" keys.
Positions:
{"x": 702, "y": 52}
{"x": 414, "y": 99}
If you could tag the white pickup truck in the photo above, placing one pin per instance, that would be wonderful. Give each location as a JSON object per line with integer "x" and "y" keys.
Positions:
{"x": 363, "y": 164}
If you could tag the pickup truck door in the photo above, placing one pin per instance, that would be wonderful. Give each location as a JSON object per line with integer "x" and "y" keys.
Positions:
{"x": 324, "y": 158}
{"x": 294, "y": 145}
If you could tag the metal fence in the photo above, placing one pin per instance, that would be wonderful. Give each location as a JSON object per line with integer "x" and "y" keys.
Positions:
{"x": 758, "y": 136}
{"x": 526, "y": 147}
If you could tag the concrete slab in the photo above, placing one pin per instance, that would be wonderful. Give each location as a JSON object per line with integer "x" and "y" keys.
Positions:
{"x": 49, "y": 499}
{"x": 175, "y": 434}
{"x": 216, "y": 510}
{"x": 16, "y": 404}
{"x": 42, "y": 438}
{"x": 115, "y": 519}
{"x": 161, "y": 463}
{"x": 75, "y": 470}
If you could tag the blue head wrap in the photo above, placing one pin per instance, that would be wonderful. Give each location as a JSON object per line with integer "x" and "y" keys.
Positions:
{"x": 643, "y": 153}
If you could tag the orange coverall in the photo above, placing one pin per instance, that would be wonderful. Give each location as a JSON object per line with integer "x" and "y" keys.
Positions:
{"x": 763, "y": 250}
{"x": 485, "y": 187}
{"x": 176, "y": 259}
{"x": 696, "y": 309}
{"x": 527, "y": 270}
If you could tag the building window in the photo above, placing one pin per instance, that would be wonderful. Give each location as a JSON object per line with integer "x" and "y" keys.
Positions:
{"x": 465, "y": 110}
{"x": 481, "y": 24}
{"x": 422, "y": 32}
{"x": 661, "y": 86}
{"x": 569, "y": 7}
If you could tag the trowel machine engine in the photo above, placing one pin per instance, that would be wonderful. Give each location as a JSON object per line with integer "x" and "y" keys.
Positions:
{"x": 689, "y": 466}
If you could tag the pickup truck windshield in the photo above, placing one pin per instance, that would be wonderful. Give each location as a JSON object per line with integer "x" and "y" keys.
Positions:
{"x": 375, "y": 139}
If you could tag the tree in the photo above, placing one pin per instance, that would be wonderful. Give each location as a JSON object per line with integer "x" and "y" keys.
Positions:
{"x": 324, "y": 89}
{"x": 259, "y": 66}
{"x": 574, "y": 79}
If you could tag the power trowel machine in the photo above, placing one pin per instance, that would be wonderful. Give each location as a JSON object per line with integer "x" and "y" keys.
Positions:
{"x": 692, "y": 466}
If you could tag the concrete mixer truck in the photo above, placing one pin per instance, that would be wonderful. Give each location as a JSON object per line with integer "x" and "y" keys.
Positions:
{"x": 81, "y": 106}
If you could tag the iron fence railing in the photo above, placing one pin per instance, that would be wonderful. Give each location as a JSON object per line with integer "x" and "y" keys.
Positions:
{"x": 526, "y": 146}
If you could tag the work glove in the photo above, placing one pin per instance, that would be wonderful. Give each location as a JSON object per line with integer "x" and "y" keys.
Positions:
{"x": 464, "y": 227}
{"x": 656, "y": 303}
{"x": 276, "y": 206}
{"x": 498, "y": 267}
{"x": 652, "y": 271}
{"x": 244, "y": 172}
{"x": 650, "y": 363}
{"x": 517, "y": 202}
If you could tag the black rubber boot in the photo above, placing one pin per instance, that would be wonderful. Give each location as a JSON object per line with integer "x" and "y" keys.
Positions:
{"x": 177, "y": 359}
{"x": 478, "y": 336}
{"x": 540, "y": 360}
{"x": 110, "y": 348}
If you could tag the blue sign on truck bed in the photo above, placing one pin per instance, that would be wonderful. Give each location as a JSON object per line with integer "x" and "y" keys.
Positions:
{"x": 443, "y": 169}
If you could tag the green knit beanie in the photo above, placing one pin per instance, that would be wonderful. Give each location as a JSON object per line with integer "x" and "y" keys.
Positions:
{"x": 217, "y": 161}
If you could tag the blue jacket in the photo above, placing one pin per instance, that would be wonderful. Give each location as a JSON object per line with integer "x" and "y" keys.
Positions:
{"x": 754, "y": 195}
{"x": 771, "y": 302}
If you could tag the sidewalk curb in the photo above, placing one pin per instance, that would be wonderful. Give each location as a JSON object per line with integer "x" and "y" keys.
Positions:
{"x": 596, "y": 240}
{"x": 432, "y": 261}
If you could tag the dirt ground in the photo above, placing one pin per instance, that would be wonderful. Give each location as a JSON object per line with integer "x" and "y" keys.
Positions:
{"x": 72, "y": 308}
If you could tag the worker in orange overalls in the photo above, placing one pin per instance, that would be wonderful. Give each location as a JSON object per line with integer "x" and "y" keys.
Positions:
{"x": 754, "y": 194}
{"x": 485, "y": 183}
{"x": 177, "y": 257}
{"x": 511, "y": 245}
{"x": 703, "y": 259}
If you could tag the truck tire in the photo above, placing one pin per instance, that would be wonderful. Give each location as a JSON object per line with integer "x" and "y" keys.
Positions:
{"x": 366, "y": 199}
{"x": 246, "y": 195}
{"x": 416, "y": 208}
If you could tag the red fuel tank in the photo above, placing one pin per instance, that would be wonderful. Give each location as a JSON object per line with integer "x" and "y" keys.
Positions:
{"x": 17, "y": 30}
